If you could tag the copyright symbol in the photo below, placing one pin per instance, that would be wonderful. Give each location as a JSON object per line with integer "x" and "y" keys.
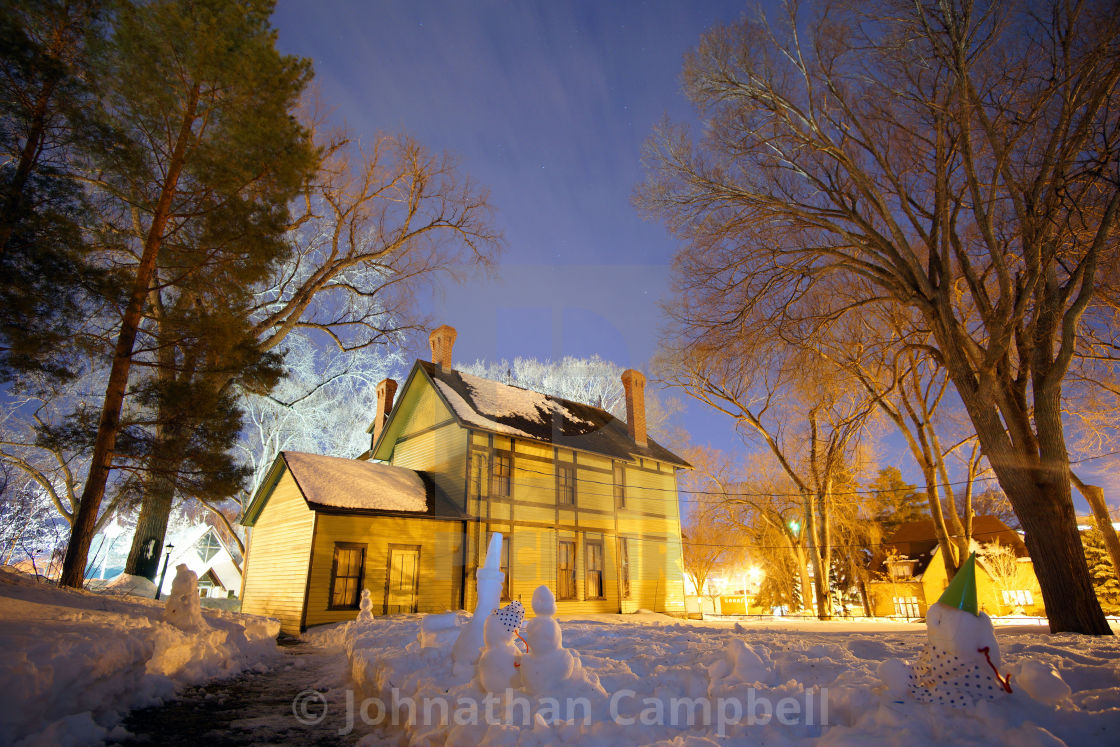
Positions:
{"x": 309, "y": 707}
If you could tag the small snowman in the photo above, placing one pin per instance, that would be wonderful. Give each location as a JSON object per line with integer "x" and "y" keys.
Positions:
{"x": 960, "y": 664}
{"x": 547, "y": 663}
{"x": 183, "y": 610}
{"x": 548, "y": 667}
{"x": 365, "y": 608}
{"x": 497, "y": 664}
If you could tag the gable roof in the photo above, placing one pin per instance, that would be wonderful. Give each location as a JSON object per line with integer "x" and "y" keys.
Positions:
{"x": 340, "y": 485}
{"x": 337, "y": 482}
{"x": 510, "y": 410}
{"x": 916, "y": 540}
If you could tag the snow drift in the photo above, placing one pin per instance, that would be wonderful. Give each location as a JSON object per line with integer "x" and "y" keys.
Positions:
{"x": 75, "y": 662}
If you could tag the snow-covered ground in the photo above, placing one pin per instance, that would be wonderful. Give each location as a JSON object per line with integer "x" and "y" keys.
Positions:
{"x": 780, "y": 681}
{"x": 74, "y": 662}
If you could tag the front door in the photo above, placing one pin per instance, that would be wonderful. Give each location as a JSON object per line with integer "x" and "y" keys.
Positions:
{"x": 404, "y": 573}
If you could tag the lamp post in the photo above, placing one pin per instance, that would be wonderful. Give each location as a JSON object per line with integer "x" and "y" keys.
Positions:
{"x": 163, "y": 573}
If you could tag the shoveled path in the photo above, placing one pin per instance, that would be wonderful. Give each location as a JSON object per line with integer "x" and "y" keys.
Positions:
{"x": 257, "y": 708}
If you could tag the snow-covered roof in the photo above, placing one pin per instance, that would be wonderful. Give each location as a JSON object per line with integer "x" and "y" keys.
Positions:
{"x": 522, "y": 413}
{"x": 336, "y": 482}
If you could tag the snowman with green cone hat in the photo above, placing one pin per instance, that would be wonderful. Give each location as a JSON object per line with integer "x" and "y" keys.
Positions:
{"x": 960, "y": 663}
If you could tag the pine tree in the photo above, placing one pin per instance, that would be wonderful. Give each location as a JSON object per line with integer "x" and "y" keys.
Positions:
{"x": 897, "y": 501}
{"x": 44, "y": 271}
{"x": 1101, "y": 571}
{"x": 200, "y": 157}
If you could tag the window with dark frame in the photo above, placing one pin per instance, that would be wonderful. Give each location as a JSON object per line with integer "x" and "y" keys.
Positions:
{"x": 566, "y": 484}
{"x": 500, "y": 471}
{"x": 593, "y": 558}
{"x": 478, "y": 474}
{"x": 619, "y": 485}
{"x": 346, "y": 575}
{"x": 566, "y": 570}
{"x": 208, "y": 546}
{"x": 624, "y": 566}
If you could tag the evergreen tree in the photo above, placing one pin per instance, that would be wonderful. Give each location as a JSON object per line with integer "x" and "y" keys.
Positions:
{"x": 201, "y": 157}
{"x": 45, "y": 277}
{"x": 896, "y": 500}
{"x": 1101, "y": 571}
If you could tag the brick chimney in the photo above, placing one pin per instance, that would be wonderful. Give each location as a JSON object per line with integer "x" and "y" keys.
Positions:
{"x": 635, "y": 385}
{"x": 442, "y": 340}
{"x": 386, "y": 391}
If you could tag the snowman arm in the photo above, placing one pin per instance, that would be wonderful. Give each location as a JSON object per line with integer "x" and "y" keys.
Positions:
{"x": 1003, "y": 680}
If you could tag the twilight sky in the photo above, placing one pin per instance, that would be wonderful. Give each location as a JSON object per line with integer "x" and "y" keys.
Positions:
{"x": 547, "y": 104}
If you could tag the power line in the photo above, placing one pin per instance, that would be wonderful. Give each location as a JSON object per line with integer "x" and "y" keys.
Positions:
{"x": 858, "y": 545}
{"x": 758, "y": 494}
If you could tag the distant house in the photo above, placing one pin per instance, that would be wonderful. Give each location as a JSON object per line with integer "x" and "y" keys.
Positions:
{"x": 202, "y": 549}
{"x": 910, "y": 574}
{"x": 587, "y": 504}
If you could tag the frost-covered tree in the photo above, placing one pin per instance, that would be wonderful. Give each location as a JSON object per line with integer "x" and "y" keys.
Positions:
{"x": 1002, "y": 565}
{"x": 55, "y": 466}
{"x": 592, "y": 381}
{"x": 322, "y": 406}
{"x": 1102, "y": 572}
{"x": 30, "y": 528}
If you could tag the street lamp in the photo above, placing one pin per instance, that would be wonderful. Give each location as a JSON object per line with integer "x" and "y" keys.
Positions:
{"x": 163, "y": 573}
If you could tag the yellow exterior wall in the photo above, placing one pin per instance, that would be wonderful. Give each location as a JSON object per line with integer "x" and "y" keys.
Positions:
{"x": 442, "y": 453}
{"x": 439, "y": 571}
{"x": 429, "y": 440}
{"x": 535, "y": 522}
{"x": 989, "y": 595}
{"x": 279, "y": 551}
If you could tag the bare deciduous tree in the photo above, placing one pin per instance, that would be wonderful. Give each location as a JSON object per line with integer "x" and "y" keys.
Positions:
{"x": 961, "y": 159}
{"x": 708, "y": 547}
{"x": 808, "y": 419}
{"x": 1002, "y": 565}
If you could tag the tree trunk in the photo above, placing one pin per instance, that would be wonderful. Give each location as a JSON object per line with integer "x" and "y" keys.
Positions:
{"x": 1045, "y": 509}
{"x": 1032, "y": 467}
{"x": 957, "y": 531}
{"x": 1095, "y": 498}
{"x": 29, "y": 155}
{"x": 948, "y": 555}
{"x": 803, "y": 576}
{"x": 81, "y": 534}
{"x": 151, "y": 529}
{"x": 818, "y": 557}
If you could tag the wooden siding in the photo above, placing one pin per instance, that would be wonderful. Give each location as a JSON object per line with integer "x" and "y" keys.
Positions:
{"x": 534, "y": 522}
{"x": 442, "y": 453}
{"x": 428, "y": 439}
{"x": 279, "y": 550}
{"x": 439, "y": 570}
{"x": 426, "y": 411}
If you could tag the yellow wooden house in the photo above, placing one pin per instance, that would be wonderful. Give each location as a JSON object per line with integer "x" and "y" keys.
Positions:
{"x": 587, "y": 505}
{"x": 910, "y": 574}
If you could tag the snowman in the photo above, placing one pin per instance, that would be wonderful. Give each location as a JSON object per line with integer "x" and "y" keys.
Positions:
{"x": 548, "y": 663}
{"x": 960, "y": 663}
{"x": 497, "y": 664}
{"x": 183, "y": 609}
{"x": 365, "y": 608}
{"x": 548, "y": 667}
